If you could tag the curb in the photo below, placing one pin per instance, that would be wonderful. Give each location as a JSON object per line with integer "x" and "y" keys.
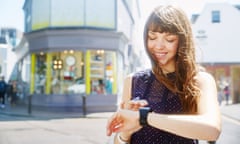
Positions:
{"x": 52, "y": 114}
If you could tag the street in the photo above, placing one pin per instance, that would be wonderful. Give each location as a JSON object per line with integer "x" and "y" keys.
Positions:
{"x": 91, "y": 130}
{"x": 230, "y": 131}
{"x": 18, "y": 130}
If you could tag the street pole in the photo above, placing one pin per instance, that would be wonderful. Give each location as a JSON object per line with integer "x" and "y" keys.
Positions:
{"x": 30, "y": 104}
{"x": 84, "y": 109}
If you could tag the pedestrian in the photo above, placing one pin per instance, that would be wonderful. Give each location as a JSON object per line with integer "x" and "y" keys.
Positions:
{"x": 174, "y": 101}
{"x": 14, "y": 93}
{"x": 226, "y": 93}
{"x": 9, "y": 91}
{"x": 3, "y": 87}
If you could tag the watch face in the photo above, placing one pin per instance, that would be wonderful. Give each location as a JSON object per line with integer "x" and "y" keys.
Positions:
{"x": 70, "y": 60}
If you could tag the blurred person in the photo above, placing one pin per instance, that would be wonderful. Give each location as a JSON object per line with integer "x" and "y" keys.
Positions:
{"x": 14, "y": 93}
{"x": 101, "y": 87}
{"x": 9, "y": 91}
{"x": 226, "y": 93}
{"x": 174, "y": 101}
{"x": 3, "y": 88}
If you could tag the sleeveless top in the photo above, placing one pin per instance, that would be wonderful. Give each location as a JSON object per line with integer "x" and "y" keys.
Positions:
{"x": 160, "y": 100}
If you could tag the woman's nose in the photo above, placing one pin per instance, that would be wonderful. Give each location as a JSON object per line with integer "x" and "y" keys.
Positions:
{"x": 159, "y": 44}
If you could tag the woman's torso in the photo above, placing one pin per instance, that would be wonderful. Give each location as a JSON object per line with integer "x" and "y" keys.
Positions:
{"x": 160, "y": 100}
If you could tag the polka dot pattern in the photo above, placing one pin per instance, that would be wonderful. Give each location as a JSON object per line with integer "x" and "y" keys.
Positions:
{"x": 161, "y": 100}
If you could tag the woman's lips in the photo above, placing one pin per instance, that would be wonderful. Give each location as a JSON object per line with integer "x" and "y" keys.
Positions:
{"x": 160, "y": 55}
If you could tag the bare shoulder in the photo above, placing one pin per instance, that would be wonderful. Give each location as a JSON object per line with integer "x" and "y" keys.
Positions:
{"x": 204, "y": 78}
{"x": 129, "y": 76}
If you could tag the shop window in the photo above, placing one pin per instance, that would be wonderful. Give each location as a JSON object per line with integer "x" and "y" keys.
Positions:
{"x": 101, "y": 71}
{"x": 73, "y": 72}
{"x": 40, "y": 75}
{"x": 66, "y": 72}
{"x": 59, "y": 73}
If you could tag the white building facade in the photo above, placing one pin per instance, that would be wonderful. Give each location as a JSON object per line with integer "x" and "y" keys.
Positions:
{"x": 216, "y": 31}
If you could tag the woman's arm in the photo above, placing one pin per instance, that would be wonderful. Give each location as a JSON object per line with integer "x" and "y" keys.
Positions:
{"x": 126, "y": 96}
{"x": 206, "y": 125}
{"x": 127, "y": 104}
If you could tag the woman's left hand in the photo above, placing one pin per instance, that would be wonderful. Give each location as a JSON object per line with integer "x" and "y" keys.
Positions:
{"x": 123, "y": 121}
{"x": 134, "y": 104}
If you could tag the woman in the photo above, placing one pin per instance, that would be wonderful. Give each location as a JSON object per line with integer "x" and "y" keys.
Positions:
{"x": 174, "y": 102}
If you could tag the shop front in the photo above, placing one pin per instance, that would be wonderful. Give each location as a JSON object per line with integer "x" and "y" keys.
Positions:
{"x": 67, "y": 65}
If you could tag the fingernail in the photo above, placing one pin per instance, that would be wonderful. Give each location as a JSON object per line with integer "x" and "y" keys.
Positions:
{"x": 136, "y": 98}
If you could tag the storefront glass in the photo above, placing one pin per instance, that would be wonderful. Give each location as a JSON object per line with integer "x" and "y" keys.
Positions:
{"x": 67, "y": 72}
{"x": 101, "y": 70}
{"x": 58, "y": 72}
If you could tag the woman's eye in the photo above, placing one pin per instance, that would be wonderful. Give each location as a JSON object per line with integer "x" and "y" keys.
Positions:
{"x": 151, "y": 38}
{"x": 170, "y": 40}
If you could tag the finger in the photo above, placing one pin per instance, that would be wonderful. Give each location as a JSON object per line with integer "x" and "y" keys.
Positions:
{"x": 143, "y": 103}
{"x": 136, "y": 104}
{"x": 122, "y": 105}
{"x": 118, "y": 128}
{"x": 110, "y": 123}
{"x": 129, "y": 105}
{"x": 114, "y": 124}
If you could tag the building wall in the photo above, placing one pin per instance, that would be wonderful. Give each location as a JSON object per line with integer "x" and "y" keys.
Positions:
{"x": 8, "y": 59}
{"x": 87, "y": 28}
{"x": 3, "y": 57}
{"x": 217, "y": 45}
{"x": 218, "y": 42}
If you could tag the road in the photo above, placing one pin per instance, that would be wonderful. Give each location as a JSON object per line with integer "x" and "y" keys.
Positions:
{"x": 25, "y": 130}
{"x": 16, "y": 130}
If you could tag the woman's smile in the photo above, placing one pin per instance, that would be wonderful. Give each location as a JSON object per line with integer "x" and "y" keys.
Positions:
{"x": 160, "y": 55}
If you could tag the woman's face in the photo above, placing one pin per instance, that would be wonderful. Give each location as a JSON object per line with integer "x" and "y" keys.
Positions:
{"x": 163, "y": 48}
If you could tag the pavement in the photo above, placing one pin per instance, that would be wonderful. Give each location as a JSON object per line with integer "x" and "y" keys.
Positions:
{"x": 231, "y": 111}
{"x": 50, "y": 112}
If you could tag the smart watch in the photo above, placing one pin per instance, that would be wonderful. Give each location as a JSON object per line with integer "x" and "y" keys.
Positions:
{"x": 143, "y": 111}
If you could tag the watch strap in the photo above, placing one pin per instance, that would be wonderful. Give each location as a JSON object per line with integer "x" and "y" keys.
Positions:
{"x": 143, "y": 111}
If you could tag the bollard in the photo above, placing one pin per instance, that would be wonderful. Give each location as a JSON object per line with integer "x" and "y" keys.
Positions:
{"x": 84, "y": 109}
{"x": 30, "y": 104}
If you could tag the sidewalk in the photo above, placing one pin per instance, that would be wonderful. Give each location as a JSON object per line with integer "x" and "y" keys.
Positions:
{"x": 231, "y": 111}
{"x": 50, "y": 113}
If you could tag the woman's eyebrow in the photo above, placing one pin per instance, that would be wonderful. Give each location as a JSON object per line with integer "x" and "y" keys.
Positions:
{"x": 152, "y": 32}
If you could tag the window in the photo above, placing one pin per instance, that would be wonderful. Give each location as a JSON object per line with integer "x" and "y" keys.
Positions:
{"x": 216, "y": 16}
{"x": 102, "y": 70}
{"x": 59, "y": 72}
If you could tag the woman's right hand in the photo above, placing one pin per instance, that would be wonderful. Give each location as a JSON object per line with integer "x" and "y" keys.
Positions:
{"x": 134, "y": 104}
{"x": 126, "y": 121}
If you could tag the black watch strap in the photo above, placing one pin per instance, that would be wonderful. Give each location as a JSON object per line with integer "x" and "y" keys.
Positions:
{"x": 143, "y": 111}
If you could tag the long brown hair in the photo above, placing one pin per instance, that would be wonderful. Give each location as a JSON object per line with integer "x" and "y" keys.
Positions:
{"x": 173, "y": 20}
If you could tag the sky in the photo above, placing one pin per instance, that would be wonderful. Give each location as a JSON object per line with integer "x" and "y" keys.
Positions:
{"x": 11, "y": 12}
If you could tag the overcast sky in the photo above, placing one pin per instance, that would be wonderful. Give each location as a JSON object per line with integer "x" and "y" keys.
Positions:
{"x": 11, "y": 13}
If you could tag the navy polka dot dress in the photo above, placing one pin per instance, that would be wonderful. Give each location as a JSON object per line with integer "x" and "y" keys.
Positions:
{"x": 161, "y": 100}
